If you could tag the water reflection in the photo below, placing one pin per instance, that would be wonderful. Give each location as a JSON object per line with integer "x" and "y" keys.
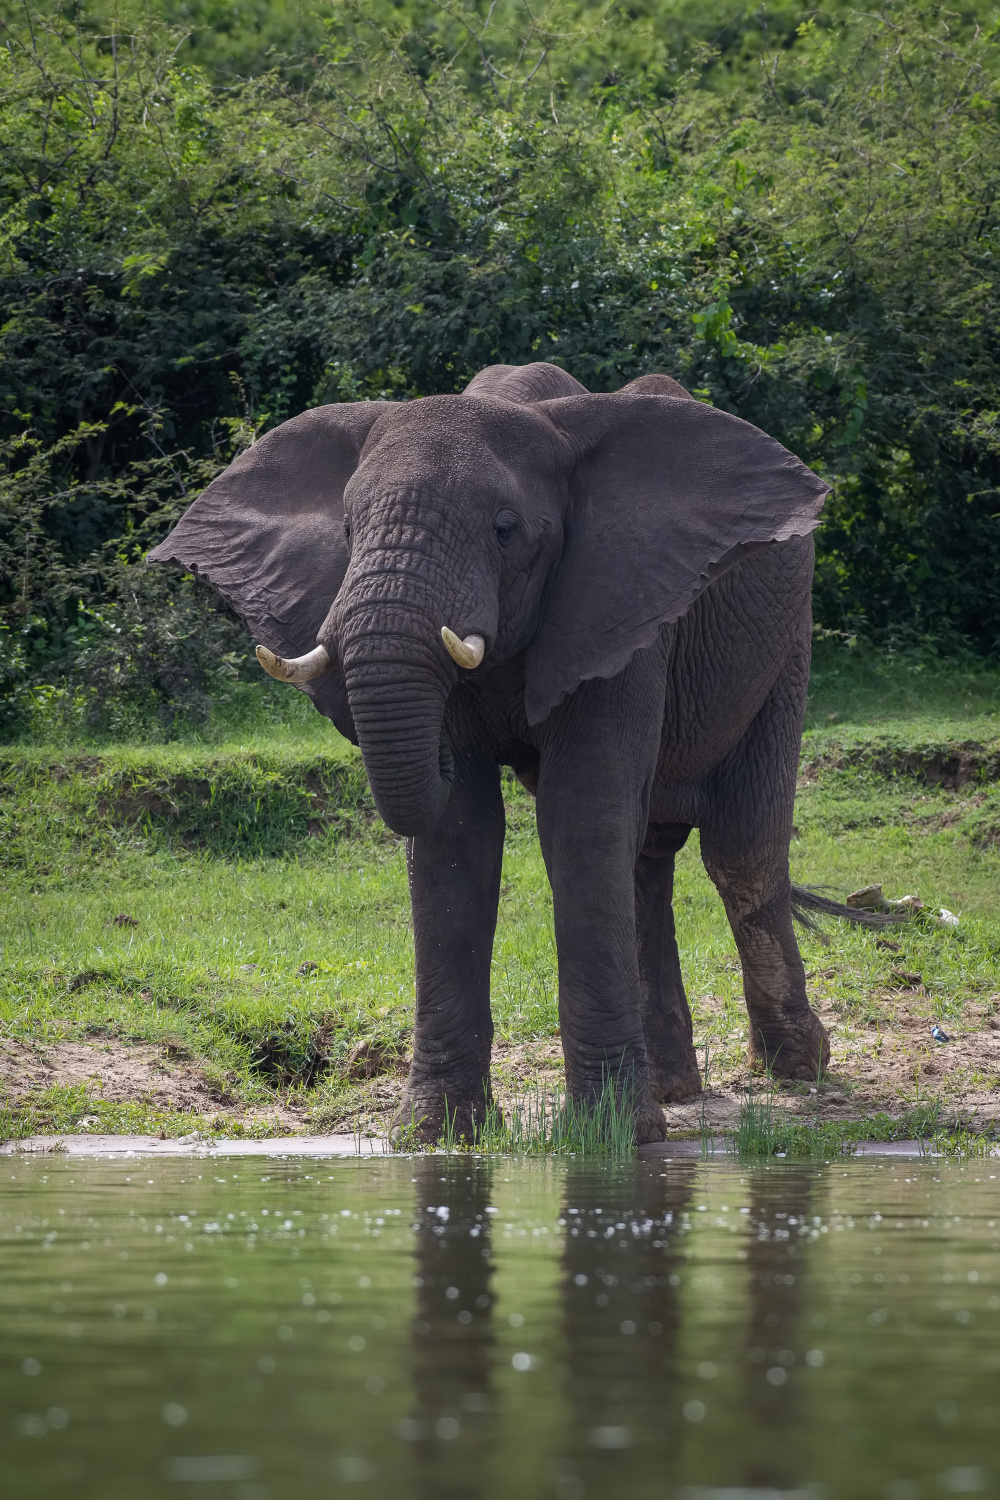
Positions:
{"x": 452, "y": 1424}
{"x": 776, "y": 1338}
{"x": 681, "y": 1329}
{"x": 621, "y": 1314}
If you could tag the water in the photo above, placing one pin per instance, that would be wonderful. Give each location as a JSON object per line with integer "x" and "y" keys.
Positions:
{"x": 449, "y": 1329}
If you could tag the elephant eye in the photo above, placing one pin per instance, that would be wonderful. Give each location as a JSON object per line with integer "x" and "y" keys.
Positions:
{"x": 347, "y": 528}
{"x": 505, "y": 525}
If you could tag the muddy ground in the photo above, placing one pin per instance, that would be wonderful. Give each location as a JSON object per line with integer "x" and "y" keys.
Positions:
{"x": 114, "y": 1072}
{"x": 890, "y": 1065}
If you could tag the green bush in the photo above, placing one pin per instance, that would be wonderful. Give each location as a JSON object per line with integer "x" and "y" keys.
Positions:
{"x": 188, "y": 256}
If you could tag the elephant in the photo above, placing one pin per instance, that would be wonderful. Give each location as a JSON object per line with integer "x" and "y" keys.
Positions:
{"x": 608, "y": 594}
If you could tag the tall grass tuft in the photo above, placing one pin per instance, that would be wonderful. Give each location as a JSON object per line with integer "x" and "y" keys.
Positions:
{"x": 764, "y": 1129}
{"x": 759, "y": 1127}
{"x": 961, "y": 1142}
{"x": 550, "y": 1122}
{"x": 15, "y": 1124}
{"x": 707, "y": 1138}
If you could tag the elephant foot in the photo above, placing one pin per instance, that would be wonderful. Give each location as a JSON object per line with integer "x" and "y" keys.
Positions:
{"x": 427, "y": 1115}
{"x": 677, "y": 1081}
{"x": 790, "y": 1046}
{"x": 650, "y": 1124}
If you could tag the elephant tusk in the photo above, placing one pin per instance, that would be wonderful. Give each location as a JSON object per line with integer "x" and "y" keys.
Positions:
{"x": 468, "y": 653}
{"x": 296, "y": 668}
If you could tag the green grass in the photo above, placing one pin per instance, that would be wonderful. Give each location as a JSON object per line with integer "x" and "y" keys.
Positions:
{"x": 78, "y": 1110}
{"x": 855, "y": 684}
{"x": 297, "y": 947}
{"x": 765, "y": 1129}
{"x": 546, "y": 1122}
{"x": 273, "y": 930}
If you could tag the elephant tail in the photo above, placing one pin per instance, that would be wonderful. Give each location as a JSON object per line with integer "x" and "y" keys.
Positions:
{"x": 806, "y": 900}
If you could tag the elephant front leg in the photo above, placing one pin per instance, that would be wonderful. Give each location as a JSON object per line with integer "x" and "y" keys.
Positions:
{"x": 666, "y": 1018}
{"x": 592, "y": 807}
{"x": 454, "y": 875}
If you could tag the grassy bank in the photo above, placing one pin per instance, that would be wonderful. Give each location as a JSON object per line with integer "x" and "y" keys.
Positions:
{"x": 215, "y": 935}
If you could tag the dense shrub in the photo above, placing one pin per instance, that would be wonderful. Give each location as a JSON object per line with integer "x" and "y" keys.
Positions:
{"x": 799, "y": 223}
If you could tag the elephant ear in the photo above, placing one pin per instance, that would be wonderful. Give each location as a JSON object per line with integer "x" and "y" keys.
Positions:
{"x": 268, "y": 534}
{"x": 665, "y": 493}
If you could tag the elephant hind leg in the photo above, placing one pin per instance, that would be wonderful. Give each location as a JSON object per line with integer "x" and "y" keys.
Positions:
{"x": 787, "y": 1038}
{"x": 666, "y": 1019}
{"x": 744, "y": 844}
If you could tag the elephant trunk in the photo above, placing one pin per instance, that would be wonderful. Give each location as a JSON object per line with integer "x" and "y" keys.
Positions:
{"x": 397, "y": 633}
{"x": 398, "y": 713}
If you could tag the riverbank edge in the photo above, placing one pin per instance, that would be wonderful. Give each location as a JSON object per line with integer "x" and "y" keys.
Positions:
{"x": 330, "y": 1146}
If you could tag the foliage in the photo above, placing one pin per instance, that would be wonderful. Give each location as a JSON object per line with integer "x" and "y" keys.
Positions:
{"x": 795, "y": 213}
{"x": 570, "y": 45}
{"x": 137, "y": 644}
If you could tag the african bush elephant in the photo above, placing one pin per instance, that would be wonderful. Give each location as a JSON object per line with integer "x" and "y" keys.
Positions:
{"x": 609, "y": 594}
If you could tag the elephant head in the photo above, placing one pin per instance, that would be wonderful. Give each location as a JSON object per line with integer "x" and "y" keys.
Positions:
{"x": 378, "y": 550}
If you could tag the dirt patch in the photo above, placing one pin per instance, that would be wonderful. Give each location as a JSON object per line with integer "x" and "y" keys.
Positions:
{"x": 891, "y": 1066}
{"x": 366, "y": 1110}
{"x": 884, "y": 1059}
{"x": 522, "y": 1066}
{"x": 370, "y": 1106}
{"x": 115, "y": 1072}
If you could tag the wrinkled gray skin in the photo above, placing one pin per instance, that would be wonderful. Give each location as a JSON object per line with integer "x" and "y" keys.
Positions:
{"x": 462, "y": 511}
